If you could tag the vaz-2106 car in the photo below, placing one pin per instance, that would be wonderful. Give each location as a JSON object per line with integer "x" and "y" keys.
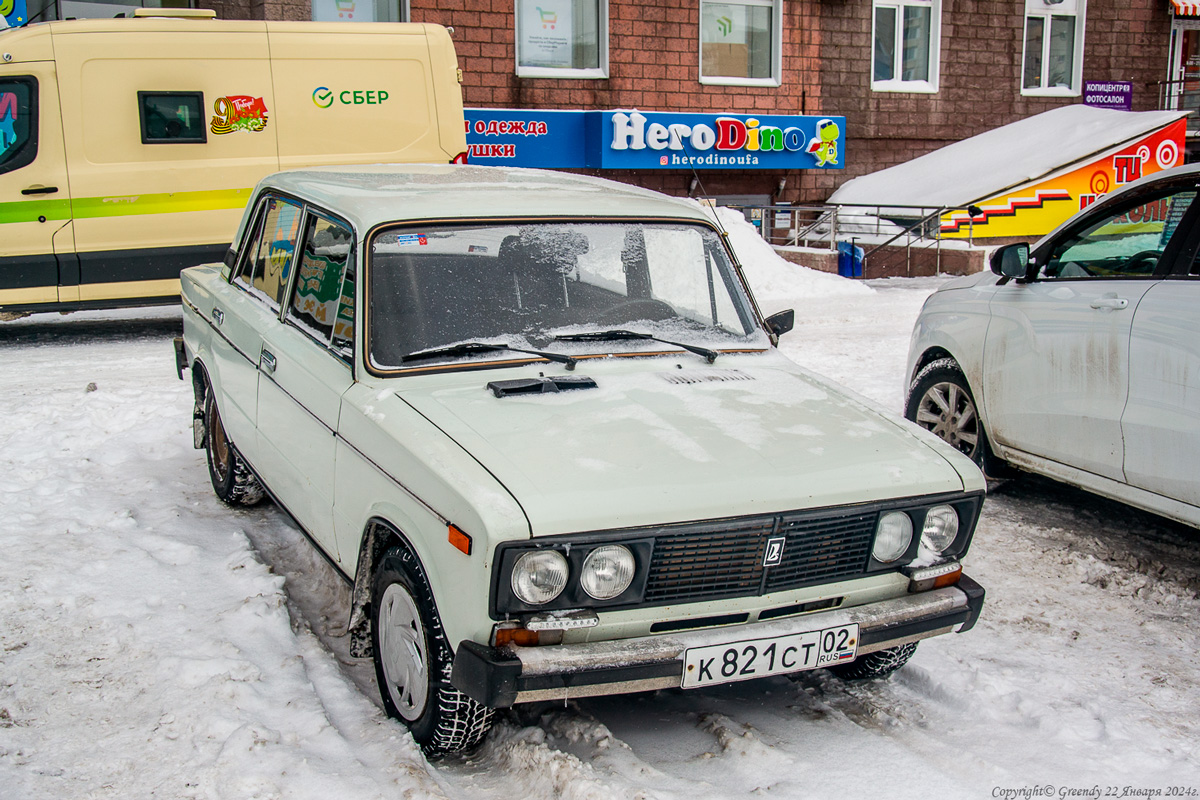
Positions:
{"x": 538, "y": 423}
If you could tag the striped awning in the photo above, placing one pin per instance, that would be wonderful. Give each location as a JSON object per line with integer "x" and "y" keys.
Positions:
{"x": 1186, "y": 8}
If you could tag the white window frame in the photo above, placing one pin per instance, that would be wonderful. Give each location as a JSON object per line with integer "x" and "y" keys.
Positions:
{"x": 1045, "y": 10}
{"x": 776, "y": 7}
{"x": 564, "y": 72}
{"x": 935, "y": 48}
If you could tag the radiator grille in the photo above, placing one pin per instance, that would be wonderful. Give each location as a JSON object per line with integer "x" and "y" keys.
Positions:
{"x": 724, "y": 560}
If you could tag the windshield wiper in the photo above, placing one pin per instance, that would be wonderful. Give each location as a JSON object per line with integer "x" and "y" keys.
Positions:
{"x": 471, "y": 348}
{"x": 604, "y": 336}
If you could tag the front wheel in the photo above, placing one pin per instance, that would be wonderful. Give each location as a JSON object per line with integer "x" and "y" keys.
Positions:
{"x": 413, "y": 661}
{"x": 879, "y": 664}
{"x": 940, "y": 401}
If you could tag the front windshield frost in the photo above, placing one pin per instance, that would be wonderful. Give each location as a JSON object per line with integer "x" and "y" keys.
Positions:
{"x": 522, "y": 285}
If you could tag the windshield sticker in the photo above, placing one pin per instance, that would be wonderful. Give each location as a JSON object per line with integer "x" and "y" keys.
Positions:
{"x": 8, "y": 121}
{"x": 411, "y": 239}
{"x": 239, "y": 113}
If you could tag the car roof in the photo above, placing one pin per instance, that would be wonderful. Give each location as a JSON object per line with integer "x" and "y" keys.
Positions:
{"x": 371, "y": 194}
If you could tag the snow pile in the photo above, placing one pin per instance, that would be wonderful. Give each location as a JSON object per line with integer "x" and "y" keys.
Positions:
{"x": 981, "y": 166}
{"x": 776, "y": 282}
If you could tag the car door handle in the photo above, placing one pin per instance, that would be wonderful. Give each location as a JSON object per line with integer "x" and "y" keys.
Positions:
{"x": 218, "y": 316}
{"x": 40, "y": 190}
{"x": 267, "y": 360}
{"x": 1110, "y": 302}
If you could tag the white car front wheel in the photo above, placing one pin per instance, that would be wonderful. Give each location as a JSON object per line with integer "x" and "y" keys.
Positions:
{"x": 940, "y": 401}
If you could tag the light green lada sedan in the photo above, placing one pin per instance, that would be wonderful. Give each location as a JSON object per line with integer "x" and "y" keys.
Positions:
{"x": 538, "y": 423}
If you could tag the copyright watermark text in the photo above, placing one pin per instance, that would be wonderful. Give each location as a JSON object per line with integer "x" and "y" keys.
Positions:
{"x": 1050, "y": 790}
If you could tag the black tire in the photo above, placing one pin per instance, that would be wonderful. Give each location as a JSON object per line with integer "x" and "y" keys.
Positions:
{"x": 875, "y": 665}
{"x": 413, "y": 661}
{"x": 940, "y": 401}
{"x": 232, "y": 479}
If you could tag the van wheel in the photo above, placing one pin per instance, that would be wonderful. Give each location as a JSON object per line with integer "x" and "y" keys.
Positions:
{"x": 940, "y": 401}
{"x": 232, "y": 479}
{"x": 879, "y": 664}
{"x": 413, "y": 661}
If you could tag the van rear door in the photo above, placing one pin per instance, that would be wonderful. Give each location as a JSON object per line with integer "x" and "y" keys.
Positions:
{"x": 35, "y": 201}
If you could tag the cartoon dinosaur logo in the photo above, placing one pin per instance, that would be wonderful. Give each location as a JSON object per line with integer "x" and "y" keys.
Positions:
{"x": 824, "y": 144}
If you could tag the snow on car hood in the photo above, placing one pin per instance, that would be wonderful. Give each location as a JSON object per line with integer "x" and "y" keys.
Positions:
{"x": 660, "y": 441}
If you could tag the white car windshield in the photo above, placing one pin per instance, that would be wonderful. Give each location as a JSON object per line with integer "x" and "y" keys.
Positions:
{"x": 523, "y": 285}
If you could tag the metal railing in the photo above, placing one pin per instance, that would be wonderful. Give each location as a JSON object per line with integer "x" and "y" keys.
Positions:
{"x": 1180, "y": 95}
{"x": 873, "y": 227}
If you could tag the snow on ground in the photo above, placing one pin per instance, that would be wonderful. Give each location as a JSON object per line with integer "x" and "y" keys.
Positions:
{"x": 155, "y": 643}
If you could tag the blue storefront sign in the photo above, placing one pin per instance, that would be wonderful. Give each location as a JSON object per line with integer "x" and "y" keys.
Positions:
{"x": 651, "y": 140}
{"x": 519, "y": 138}
{"x": 14, "y": 12}
{"x": 1117, "y": 95}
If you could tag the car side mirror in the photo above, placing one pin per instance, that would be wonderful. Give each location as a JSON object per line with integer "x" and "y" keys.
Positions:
{"x": 782, "y": 322}
{"x": 1011, "y": 261}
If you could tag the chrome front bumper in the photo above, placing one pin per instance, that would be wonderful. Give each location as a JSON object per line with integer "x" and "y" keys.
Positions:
{"x": 500, "y": 677}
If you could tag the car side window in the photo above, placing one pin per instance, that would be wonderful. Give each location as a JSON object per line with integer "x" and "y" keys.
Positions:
{"x": 1126, "y": 243}
{"x": 270, "y": 250}
{"x": 18, "y": 123}
{"x": 323, "y": 298}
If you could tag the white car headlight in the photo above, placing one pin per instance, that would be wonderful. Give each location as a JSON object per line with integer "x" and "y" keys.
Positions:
{"x": 607, "y": 571}
{"x": 892, "y": 536}
{"x": 539, "y": 576}
{"x": 941, "y": 528}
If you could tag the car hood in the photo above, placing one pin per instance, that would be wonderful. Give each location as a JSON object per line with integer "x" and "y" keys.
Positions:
{"x": 671, "y": 443}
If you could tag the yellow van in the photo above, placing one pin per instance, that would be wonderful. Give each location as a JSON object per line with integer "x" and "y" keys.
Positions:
{"x": 129, "y": 147}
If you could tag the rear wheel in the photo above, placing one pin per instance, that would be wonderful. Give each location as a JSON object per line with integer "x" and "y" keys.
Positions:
{"x": 879, "y": 664}
{"x": 232, "y": 479}
{"x": 413, "y": 661}
{"x": 940, "y": 401}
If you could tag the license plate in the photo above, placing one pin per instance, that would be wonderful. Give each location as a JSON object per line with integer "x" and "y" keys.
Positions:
{"x": 777, "y": 655}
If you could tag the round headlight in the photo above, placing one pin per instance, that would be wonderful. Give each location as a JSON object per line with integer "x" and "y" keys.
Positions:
{"x": 539, "y": 576}
{"x": 892, "y": 536}
{"x": 607, "y": 571}
{"x": 941, "y": 528}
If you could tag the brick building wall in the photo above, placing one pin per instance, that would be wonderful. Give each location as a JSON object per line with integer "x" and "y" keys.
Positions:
{"x": 654, "y": 65}
{"x": 981, "y": 70}
{"x": 827, "y": 51}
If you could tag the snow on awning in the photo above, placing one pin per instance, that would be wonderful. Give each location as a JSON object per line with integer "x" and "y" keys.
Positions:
{"x": 985, "y": 165}
{"x": 1186, "y": 8}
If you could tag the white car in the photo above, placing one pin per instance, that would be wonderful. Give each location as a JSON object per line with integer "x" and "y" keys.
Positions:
{"x": 538, "y": 424}
{"x": 1079, "y": 359}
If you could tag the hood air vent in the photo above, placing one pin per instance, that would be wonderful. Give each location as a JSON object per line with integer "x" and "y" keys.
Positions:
{"x": 707, "y": 376}
{"x": 540, "y": 385}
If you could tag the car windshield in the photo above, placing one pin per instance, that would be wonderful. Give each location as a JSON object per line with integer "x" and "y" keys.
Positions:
{"x": 524, "y": 284}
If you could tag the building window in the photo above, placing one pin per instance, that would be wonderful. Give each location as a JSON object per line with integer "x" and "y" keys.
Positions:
{"x": 360, "y": 10}
{"x": 906, "y": 45}
{"x": 740, "y": 42}
{"x": 1053, "y": 63}
{"x": 562, "y": 38}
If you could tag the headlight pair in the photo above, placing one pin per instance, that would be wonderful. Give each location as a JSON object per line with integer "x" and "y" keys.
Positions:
{"x": 894, "y": 532}
{"x": 540, "y": 576}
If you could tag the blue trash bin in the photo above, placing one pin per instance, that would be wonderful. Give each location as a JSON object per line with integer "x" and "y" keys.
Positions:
{"x": 850, "y": 260}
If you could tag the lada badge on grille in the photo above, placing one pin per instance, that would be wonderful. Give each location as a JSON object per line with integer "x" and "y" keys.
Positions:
{"x": 774, "y": 552}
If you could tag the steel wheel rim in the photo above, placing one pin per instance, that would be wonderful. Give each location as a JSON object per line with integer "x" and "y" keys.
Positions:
{"x": 402, "y": 652}
{"x": 218, "y": 444}
{"x": 948, "y": 411}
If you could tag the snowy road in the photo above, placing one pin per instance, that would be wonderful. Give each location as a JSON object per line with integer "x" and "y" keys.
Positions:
{"x": 154, "y": 643}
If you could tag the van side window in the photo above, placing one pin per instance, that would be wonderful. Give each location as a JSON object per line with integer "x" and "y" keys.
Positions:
{"x": 323, "y": 300}
{"x": 172, "y": 117}
{"x": 18, "y": 123}
{"x": 269, "y": 251}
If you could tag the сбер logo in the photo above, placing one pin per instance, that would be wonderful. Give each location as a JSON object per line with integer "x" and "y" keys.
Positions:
{"x": 322, "y": 97}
